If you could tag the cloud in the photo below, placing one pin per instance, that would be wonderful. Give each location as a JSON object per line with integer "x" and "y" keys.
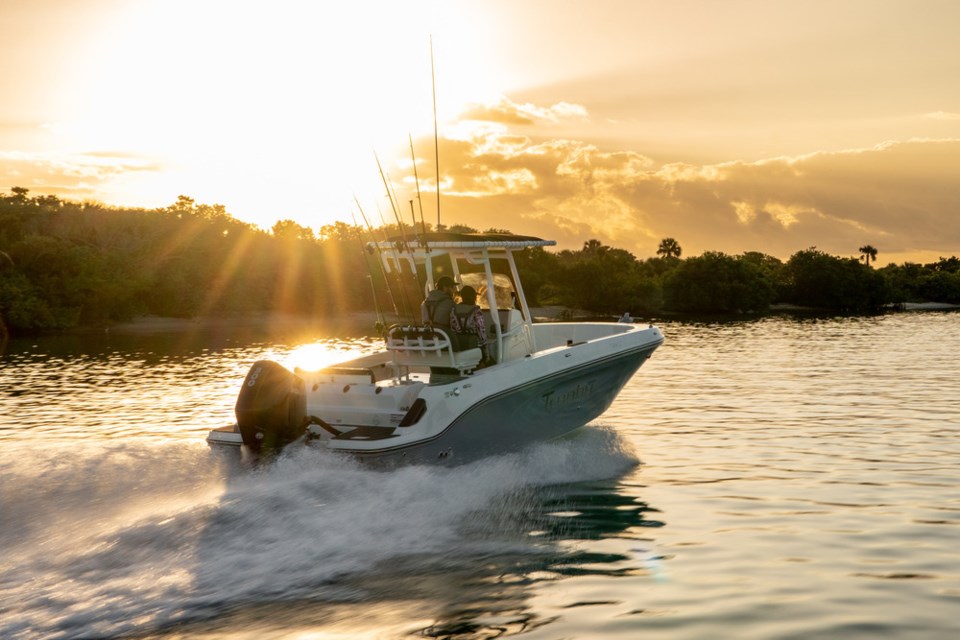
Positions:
{"x": 72, "y": 176}
{"x": 508, "y": 112}
{"x": 902, "y": 197}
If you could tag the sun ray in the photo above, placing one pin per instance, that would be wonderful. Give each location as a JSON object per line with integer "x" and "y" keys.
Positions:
{"x": 225, "y": 274}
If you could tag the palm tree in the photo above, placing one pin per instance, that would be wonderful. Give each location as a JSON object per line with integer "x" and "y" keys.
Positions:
{"x": 868, "y": 254}
{"x": 669, "y": 248}
{"x": 593, "y": 247}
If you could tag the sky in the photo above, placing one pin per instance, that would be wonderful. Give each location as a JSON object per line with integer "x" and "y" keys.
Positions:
{"x": 733, "y": 125}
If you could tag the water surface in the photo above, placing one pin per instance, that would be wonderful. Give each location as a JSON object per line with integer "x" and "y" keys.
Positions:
{"x": 775, "y": 478}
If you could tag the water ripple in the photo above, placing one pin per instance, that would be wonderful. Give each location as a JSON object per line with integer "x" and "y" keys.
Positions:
{"x": 797, "y": 481}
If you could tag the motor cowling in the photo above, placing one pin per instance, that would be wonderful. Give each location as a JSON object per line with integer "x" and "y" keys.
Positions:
{"x": 271, "y": 408}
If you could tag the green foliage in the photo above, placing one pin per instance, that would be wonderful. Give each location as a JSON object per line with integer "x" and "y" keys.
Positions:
{"x": 669, "y": 248}
{"x": 460, "y": 228}
{"x": 718, "y": 283}
{"x": 602, "y": 279}
{"x": 539, "y": 268}
{"x": 290, "y": 229}
{"x": 814, "y": 279}
{"x": 64, "y": 264}
{"x": 20, "y": 305}
{"x": 935, "y": 282}
{"x": 868, "y": 253}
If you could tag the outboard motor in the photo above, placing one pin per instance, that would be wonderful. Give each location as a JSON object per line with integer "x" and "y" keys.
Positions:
{"x": 271, "y": 409}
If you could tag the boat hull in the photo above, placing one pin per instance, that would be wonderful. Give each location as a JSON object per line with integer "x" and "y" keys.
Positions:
{"x": 409, "y": 419}
{"x": 540, "y": 410}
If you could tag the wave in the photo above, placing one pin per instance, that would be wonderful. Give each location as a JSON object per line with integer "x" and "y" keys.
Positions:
{"x": 115, "y": 540}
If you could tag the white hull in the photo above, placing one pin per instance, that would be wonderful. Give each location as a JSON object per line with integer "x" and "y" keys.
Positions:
{"x": 498, "y": 409}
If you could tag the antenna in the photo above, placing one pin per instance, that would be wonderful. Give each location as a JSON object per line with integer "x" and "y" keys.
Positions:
{"x": 436, "y": 141}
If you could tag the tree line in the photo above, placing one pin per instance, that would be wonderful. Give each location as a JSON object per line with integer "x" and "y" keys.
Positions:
{"x": 751, "y": 282}
{"x": 66, "y": 264}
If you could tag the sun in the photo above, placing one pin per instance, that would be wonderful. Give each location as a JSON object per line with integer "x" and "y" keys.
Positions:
{"x": 273, "y": 110}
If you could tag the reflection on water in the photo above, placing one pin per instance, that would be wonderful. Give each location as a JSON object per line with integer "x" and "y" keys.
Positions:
{"x": 798, "y": 481}
{"x": 167, "y": 384}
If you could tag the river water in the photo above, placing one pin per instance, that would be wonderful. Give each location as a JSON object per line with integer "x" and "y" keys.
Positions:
{"x": 775, "y": 478}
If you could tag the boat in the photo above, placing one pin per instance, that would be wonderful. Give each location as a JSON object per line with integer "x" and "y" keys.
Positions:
{"x": 419, "y": 400}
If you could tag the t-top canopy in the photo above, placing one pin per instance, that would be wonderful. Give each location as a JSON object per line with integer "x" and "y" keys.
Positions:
{"x": 445, "y": 240}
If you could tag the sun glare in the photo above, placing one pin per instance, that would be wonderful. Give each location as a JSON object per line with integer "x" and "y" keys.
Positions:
{"x": 274, "y": 112}
{"x": 315, "y": 356}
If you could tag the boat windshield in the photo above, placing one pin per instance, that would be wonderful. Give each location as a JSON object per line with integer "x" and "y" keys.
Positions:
{"x": 502, "y": 289}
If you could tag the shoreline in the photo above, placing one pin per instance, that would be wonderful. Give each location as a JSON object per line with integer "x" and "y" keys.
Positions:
{"x": 281, "y": 321}
{"x": 354, "y": 321}
{"x": 268, "y": 320}
{"x": 549, "y": 313}
{"x": 928, "y": 306}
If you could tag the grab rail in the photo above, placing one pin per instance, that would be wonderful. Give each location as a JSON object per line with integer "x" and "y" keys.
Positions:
{"x": 416, "y": 345}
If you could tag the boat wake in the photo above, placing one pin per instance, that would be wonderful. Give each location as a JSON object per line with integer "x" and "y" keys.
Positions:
{"x": 137, "y": 539}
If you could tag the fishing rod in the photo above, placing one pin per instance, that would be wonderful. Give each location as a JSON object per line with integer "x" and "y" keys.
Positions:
{"x": 380, "y": 325}
{"x": 422, "y": 240}
{"x": 393, "y": 205}
{"x": 408, "y": 307}
{"x": 413, "y": 214}
{"x": 423, "y": 237}
{"x": 416, "y": 179}
{"x": 396, "y": 214}
{"x": 383, "y": 271}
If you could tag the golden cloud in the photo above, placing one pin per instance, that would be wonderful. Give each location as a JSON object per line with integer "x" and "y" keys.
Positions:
{"x": 511, "y": 113}
{"x": 72, "y": 176}
{"x": 899, "y": 196}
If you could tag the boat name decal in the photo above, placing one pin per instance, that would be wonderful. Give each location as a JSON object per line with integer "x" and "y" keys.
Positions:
{"x": 553, "y": 401}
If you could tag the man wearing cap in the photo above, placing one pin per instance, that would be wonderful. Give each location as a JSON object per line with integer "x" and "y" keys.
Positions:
{"x": 435, "y": 310}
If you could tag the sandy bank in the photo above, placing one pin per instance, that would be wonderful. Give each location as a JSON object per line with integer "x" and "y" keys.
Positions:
{"x": 929, "y": 306}
{"x": 266, "y": 321}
